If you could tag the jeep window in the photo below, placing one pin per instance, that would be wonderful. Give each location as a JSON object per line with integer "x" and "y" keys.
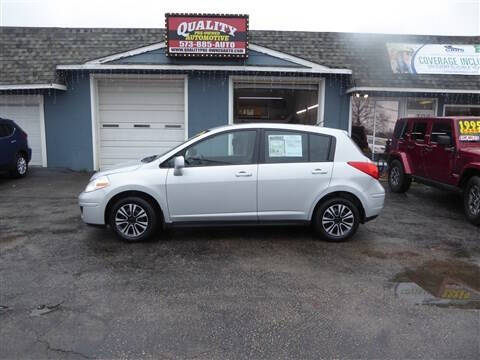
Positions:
{"x": 440, "y": 128}
{"x": 418, "y": 131}
{"x": 400, "y": 128}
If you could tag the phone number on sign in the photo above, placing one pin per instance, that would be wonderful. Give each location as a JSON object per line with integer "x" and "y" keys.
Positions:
{"x": 207, "y": 44}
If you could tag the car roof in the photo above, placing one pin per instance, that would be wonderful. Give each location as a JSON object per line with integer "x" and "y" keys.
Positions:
{"x": 308, "y": 128}
{"x": 439, "y": 117}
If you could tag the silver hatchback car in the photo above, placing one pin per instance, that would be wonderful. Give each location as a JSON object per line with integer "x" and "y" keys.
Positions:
{"x": 241, "y": 174}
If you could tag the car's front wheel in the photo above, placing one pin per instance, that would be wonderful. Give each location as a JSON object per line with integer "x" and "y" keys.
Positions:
{"x": 471, "y": 200}
{"x": 133, "y": 219}
{"x": 336, "y": 219}
{"x": 398, "y": 181}
{"x": 20, "y": 168}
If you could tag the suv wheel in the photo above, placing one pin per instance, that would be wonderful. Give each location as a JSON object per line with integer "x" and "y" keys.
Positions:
{"x": 398, "y": 181}
{"x": 471, "y": 200}
{"x": 133, "y": 219}
{"x": 20, "y": 167}
{"x": 336, "y": 219}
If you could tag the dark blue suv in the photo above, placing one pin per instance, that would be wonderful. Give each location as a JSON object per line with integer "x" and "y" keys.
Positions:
{"x": 14, "y": 151}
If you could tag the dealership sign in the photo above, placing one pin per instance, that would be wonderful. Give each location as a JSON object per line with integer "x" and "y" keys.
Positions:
{"x": 434, "y": 58}
{"x": 207, "y": 35}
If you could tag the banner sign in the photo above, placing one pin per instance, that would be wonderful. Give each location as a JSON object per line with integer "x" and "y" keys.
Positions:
{"x": 207, "y": 35}
{"x": 434, "y": 59}
{"x": 469, "y": 130}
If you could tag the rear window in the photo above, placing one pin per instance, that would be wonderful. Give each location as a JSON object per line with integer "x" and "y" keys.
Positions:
{"x": 6, "y": 130}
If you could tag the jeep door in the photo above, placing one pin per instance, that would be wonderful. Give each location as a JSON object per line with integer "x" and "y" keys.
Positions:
{"x": 416, "y": 146}
{"x": 440, "y": 159}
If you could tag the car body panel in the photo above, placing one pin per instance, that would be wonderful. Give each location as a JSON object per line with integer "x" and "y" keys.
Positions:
{"x": 11, "y": 145}
{"x": 216, "y": 194}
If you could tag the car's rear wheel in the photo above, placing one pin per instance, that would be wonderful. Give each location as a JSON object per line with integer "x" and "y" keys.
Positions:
{"x": 133, "y": 219}
{"x": 336, "y": 219}
{"x": 471, "y": 200}
{"x": 398, "y": 181}
{"x": 20, "y": 168}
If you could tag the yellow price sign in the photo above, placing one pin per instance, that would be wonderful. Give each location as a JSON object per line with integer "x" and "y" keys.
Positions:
{"x": 469, "y": 127}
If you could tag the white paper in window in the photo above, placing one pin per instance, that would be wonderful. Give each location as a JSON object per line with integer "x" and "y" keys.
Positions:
{"x": 285, "y": 145}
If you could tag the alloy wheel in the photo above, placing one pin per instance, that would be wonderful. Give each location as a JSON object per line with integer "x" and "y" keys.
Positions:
{"x": 338, "y": 220}
{"x": 395, "y": 176}
{"x": 474, "y": 200}
{"x": 21, "y": 165}
{"x": 131, "y": 220}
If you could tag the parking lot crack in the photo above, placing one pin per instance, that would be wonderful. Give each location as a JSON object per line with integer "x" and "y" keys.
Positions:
{"x": 62, "y": 351}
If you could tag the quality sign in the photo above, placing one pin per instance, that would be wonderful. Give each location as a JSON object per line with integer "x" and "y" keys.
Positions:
{"x": 207, "y": 35}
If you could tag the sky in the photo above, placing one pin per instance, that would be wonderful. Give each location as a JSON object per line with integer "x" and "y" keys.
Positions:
{"x": 439, "y": 17}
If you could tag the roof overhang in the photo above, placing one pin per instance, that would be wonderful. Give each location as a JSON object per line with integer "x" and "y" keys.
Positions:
{"x": 306, "y": 66}
{"x": 411, "y": 90}
{"x": 33, "y": 86}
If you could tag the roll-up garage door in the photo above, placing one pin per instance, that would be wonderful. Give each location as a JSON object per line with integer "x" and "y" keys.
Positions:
{"x": 138, "y": 118}
{"x": 25, "y": 110}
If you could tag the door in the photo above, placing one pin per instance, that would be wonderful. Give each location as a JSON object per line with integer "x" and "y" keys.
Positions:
{"x": 219, "y": 181}
{"x": 439, "y": 159}
{"x": 26, "y": 110}
{"x": 138, "y": 118}
{"x": 7, "y": 149}
{"x": 416, "y": 146}
{"x": 295, "y": 168}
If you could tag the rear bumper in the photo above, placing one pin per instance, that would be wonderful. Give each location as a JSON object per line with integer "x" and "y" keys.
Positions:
{"x": 29, "y": 154}
{"x": 374, "y": 201}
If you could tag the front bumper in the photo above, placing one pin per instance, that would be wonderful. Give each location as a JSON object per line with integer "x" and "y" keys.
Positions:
{"x": 91, "y": 208}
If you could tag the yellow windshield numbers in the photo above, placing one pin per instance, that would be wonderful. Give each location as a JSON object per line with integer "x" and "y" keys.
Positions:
{"x": 468, "y": 127}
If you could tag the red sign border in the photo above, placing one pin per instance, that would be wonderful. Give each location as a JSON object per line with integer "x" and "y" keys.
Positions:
{"x": 240, "y": 56}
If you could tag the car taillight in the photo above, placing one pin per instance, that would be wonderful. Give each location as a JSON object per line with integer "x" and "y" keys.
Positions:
{"x": 366, "y": 167}
{"x": 24, "y": 134}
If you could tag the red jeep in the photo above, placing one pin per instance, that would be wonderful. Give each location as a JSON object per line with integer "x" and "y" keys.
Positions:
{"x": 440, "y": 151}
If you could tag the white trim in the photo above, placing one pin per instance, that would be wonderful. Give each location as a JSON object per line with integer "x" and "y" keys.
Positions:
{"x": 278, "y": 80}
{"x": 94, "y": 101}
{"x": 350, "y": 116}
{"x": 185, "y": 106}
{"x": 93, "y": 115}
{"x": 417, "y": 90}
{"x": 43, "y": 136}
{"x": 297, "y": 60}
{"x": 33, "y": 87}
{"x": 230, "y": 100}
{"x": 312, "y": 67}
{"x": 124, "y": 54}
{"x": 242, "y": 68}
{"x": 458, "y": 105}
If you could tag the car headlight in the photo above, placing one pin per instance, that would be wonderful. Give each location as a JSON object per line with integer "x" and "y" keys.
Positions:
{"x": 97, "y": 184}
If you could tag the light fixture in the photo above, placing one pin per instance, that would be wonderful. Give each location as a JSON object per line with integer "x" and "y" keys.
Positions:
{"x": 357, "y": 95}
{"x": 260, "y": 98}
{"x": 365, "y": 96}
{"x": 301, "y": 111}
{"x": 312, "y": 107}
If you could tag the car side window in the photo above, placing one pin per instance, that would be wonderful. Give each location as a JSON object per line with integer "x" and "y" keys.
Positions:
{"x": 418, "y": 131}
{"x": 282, "y": 146}
{"x": 230, "y": 148}
{"x": 319, "y": 147}
{"x": 441, "y": 128}
{"x": 400, "y": 129}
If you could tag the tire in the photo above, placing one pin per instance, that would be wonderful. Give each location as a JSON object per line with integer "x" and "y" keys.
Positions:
{"x": 340, "y": 228}
{"x": 398, "y": 181}
{"x": 20, "y": 167}
{"x": 139, "y": 227}
{"x": 471, "y": 200}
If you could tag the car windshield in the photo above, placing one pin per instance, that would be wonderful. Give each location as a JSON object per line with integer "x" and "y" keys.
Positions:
{"x": 469, "y": 130}
{"x": 151, "y": 158}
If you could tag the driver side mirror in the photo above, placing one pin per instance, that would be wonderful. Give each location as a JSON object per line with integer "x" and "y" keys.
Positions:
{"x": 178, "y": 164}
{"x": 445, "y": 140}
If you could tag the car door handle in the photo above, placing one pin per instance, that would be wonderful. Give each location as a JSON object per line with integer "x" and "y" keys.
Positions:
{"x": 428, "y": 148}
{"x": 13, "y": 141}
{"x": 243, "y": 174}
{"x": 319, "y": 171}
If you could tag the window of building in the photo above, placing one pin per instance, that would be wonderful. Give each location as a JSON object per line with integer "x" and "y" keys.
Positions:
{"x": 462, "y": 110}
{"x": 275, "y": 103}
{"x": 421, "y": 107}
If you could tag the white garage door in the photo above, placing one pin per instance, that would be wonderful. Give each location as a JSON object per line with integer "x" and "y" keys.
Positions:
{"x": 137, "y": 118}
{"x": 25, "y": 110}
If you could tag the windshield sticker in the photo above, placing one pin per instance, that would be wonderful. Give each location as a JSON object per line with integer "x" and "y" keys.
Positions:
{"x": 285, "y": 145}
{"x": 469, "y": 130}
